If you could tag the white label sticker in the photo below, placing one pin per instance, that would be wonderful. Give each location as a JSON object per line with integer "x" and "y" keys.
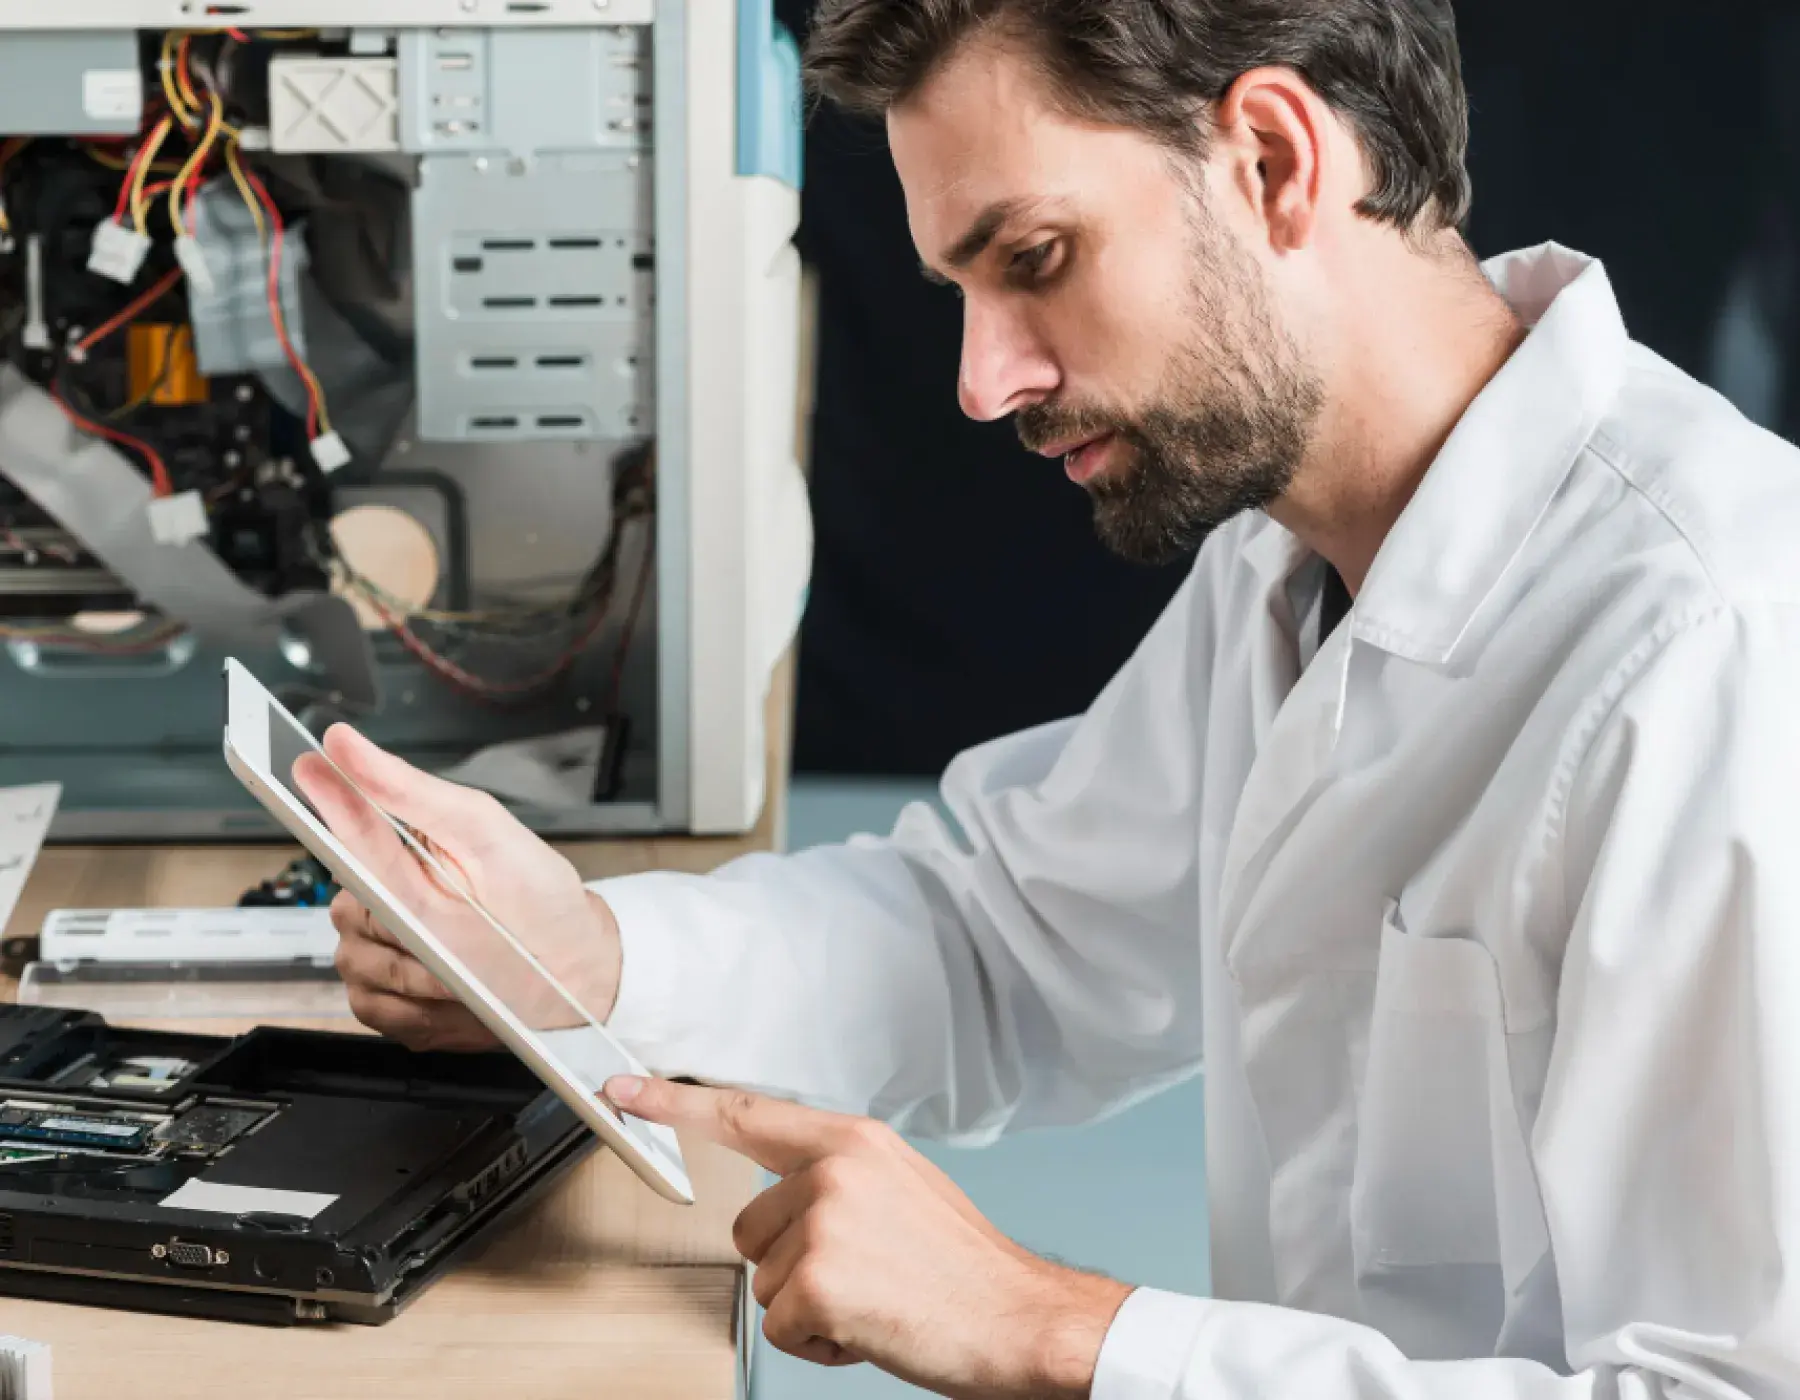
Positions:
{"x": 112, "y": 94}
{"x": 218, "y": 1199}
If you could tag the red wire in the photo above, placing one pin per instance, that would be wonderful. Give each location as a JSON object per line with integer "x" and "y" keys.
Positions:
{"x": 183, "y": 79}
{"x": 120, "y": 209}
{"x": 131, "y": 312}
{"x": 476, "y": 687}
{"x": 193, "y": 191}
{"x": 162, "y": 485}
{"x": 275, "y": 313}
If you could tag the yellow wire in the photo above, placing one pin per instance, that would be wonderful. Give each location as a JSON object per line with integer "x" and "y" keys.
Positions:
{"x": 177, "y": 192}
{"x": 243, "y": 185}
{"x": 140, "y": 205}
{"x": 166, "y": 66}
{"x": 113, "y": 162}
{"x": 7, "y": 152}
{"x": 181, "y": 76}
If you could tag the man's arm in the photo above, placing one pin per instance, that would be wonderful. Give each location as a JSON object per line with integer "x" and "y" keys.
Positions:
{"x": 1040, "y": 966}
{"x": 1667, "y": 1146}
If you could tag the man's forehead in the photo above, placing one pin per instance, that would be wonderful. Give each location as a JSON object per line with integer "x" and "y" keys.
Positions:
{"x": 982, "y": 180}
{"x": 985, "y": 131}
{"x": 983, "y": 115}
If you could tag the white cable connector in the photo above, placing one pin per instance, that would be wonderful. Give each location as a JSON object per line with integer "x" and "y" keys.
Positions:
{"x": 24, "y": 1369}
{"x": 118, "y": 252}
{"x": 331, "y": 452}
{"x": 193, "y": 264}
{"x": 35, "y": 334}
{"x": 179, "y": 519}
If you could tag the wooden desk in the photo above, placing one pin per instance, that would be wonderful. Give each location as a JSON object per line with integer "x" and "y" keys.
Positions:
{"x": 602, "y": 1290}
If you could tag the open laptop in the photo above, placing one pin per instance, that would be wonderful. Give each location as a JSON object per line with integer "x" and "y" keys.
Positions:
{"x": 279, "y": 1177}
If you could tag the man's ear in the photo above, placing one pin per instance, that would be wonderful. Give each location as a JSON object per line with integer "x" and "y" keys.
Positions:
{"x": 1275, "y": 135}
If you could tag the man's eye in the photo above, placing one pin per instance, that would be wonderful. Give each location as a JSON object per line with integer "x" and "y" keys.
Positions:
{"x": 1032, "y": 264}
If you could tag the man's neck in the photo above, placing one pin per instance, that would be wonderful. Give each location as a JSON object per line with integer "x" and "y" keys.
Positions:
{"x": 1426, "y": 339}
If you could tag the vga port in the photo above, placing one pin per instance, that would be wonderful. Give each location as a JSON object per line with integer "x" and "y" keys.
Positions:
{"x": 188, "y": 1255}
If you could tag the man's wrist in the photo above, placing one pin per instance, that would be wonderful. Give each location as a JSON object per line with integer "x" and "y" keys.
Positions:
{"x": 601, "y": 992}
{"x": 1071, "y": 1318}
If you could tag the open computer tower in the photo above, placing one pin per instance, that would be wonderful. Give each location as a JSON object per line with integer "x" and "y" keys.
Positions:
{"x": 438, "y": 359}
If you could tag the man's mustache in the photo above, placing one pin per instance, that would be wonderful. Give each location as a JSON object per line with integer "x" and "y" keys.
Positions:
{"x": 1042, "y": 424}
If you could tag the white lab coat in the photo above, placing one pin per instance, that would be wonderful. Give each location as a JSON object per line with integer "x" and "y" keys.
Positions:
{"x": 1484, "y": 921}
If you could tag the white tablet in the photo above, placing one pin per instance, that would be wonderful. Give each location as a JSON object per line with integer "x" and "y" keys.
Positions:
{"x": 498, "y": 978}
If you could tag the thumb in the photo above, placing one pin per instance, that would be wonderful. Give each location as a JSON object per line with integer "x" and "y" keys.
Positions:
{"x": 439, "y": 809}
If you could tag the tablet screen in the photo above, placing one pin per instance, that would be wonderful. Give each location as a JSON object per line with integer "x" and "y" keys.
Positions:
{"x": 493, "y": 958}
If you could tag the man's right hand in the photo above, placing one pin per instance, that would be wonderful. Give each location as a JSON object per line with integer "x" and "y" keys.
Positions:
{"x": 526, "y": 885}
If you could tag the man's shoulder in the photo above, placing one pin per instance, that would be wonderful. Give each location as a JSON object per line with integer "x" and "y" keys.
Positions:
{"x": 1717, "y": 498}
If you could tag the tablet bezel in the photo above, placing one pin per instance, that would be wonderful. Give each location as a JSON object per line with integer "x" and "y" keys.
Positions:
{"x": 248, "y": 710}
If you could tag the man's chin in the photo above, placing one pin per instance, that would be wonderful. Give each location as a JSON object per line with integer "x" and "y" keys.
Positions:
{"x": 1138, "y": 538}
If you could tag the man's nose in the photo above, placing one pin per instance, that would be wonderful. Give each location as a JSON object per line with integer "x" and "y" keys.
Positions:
{"x": 1004, "y": 368}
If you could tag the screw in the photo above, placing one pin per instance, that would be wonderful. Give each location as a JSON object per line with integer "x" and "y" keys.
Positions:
{"x": 326, "y": 1278}
{"x": 233, "y": 459}
{"x": 245, "y": 393}
{"x": 481, "y": 165}
{"x": 159, "y": 1251}
{"x": 242, "y": 434}
{"x": 221, "y": 1257}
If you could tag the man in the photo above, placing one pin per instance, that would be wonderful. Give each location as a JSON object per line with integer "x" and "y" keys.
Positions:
{"x": 1478, "y": 904}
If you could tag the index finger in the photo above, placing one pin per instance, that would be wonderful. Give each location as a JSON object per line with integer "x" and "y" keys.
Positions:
{"x": 781, "y": 1137}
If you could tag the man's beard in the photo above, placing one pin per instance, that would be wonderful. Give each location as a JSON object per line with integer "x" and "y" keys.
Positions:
{"x": 1225, "y": 433}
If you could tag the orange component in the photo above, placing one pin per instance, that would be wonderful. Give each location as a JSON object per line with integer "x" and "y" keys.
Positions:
{"x": 162, "y": 366}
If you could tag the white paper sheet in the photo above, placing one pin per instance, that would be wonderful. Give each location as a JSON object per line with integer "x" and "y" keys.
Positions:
{"x": 25, "y": 816}
{"x": 555, "y": 771}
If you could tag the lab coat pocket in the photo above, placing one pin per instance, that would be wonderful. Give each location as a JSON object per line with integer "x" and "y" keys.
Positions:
{"x": 1435, "y": 1086}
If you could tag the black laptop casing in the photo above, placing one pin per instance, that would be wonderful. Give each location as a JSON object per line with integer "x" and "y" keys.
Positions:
{"x": 421, "y": 1156}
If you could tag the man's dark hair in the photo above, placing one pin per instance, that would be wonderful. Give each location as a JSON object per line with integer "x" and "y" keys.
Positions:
{"x": 1391, "y": 68}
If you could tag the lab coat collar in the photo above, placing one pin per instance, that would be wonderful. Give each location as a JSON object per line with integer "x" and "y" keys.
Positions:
{"x": 1498, "y": 472}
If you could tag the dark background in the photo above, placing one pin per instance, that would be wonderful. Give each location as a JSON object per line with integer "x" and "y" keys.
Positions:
{"x": 959, "y": 592}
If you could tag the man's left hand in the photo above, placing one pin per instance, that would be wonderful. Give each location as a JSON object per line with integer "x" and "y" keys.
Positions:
{"x": 867, "y": 1252}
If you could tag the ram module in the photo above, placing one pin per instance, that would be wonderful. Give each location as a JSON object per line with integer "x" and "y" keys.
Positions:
{"x": 29, "y": 1125}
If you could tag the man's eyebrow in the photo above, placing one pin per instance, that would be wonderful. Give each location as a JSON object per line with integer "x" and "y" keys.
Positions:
{"x": 981, "y": 234}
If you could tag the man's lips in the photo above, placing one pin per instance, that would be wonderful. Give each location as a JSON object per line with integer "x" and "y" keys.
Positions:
{"x": 1086, "y": 458}
{"x": 1065, "y": 447}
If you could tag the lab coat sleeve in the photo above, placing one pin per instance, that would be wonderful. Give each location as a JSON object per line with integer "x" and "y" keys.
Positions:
{"x": 1667, "y": 1143}
{"x": 1039, "y": 965}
